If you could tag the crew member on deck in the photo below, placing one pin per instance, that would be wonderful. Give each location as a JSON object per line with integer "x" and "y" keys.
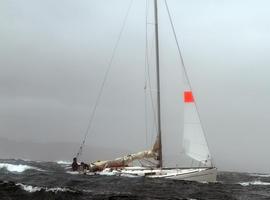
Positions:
{"x": 75, "y": 165}
{"x": 85, "y": 166}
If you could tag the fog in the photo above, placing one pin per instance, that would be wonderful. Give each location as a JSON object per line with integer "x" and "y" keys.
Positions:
{"x": 53, "y": 56}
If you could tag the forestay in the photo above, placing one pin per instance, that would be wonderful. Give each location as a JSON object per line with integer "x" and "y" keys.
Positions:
{"x": 194, "y": 142}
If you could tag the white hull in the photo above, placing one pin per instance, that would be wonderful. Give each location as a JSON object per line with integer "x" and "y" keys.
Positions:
{"x": 192, "y": 174}
{"x": 207, "y": 175}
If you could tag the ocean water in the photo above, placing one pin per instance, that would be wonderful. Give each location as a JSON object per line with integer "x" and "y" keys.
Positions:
{"x": 34, "y": 180}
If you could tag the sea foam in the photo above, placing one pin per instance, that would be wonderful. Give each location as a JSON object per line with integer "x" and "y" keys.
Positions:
{"x": 254, "y": 183}
{"x": 261, "y": 175}
{"x": 61, "y": 162}
{"x": 31, "y": 189}
{"x": 18, "y": 168}
{"x": 73, "y": 172}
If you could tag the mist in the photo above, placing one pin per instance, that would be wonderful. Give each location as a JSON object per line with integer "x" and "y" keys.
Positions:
{"x": 53, "y": 56}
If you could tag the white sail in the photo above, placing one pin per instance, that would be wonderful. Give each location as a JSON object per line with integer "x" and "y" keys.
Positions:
{"x": 194, "y": 142}
{"x": 180, "y": 140}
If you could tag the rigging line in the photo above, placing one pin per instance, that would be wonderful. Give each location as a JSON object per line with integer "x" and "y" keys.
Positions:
{"x": 150, "y": 86}
{"x": 151, "y": 95}
{"x": 148, "y": 71}
{"x": 149, "y": 162}
{"x": 154, "y": 128}
{"x": 104, "y": 80}
{"x": 184, "y": 66}
{"x": 145, "y": 77}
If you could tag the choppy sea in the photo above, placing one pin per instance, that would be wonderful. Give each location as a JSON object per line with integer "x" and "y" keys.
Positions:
{"x": 25, "y": 180}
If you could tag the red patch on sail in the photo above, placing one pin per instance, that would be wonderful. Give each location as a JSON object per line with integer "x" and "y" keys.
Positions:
{"x": 188, "y": 97}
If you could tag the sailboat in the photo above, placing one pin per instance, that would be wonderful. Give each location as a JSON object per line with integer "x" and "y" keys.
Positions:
{"x": 199, "y": 163}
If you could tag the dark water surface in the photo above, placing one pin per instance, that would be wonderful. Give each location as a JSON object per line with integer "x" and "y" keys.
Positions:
{"x": 22, "y": 180}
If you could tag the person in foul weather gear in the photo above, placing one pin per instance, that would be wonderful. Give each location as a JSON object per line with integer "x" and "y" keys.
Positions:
{"x": 75, "y": 165}
{"x": 85, "y": 166}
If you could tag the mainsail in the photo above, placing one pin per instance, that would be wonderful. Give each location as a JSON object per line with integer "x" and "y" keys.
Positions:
{"x": 126, "y": 160}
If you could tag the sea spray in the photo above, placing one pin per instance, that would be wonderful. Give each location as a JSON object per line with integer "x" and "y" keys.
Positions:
{"x": 17, "y": 168}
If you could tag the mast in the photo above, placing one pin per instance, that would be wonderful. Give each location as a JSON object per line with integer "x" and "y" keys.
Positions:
{"x": 158, "y": 85}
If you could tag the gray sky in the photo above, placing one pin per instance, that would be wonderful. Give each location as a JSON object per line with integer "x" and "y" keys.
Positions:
{"x": 53, "y": 55}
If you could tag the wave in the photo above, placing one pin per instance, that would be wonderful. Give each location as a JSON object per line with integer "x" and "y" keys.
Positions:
{"x": 261, "y": 175}
{"x": 61, "y": 162}
{"x": 17, "y": 168}
{"x": 254, "y": 183}
{"x": 72, "y": 172}
{"x": 31, "y": 189}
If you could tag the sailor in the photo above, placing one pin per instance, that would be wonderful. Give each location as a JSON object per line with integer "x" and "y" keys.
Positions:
{"x": 75, "y": 165}
{"x": 84, "y": 166}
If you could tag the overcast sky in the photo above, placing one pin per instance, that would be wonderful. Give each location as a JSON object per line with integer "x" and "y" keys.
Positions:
{"x": 53, "y": 56}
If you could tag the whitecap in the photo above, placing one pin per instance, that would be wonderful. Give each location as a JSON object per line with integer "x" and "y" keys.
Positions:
{"x": 77, "y": 173}
{"x": 254, "y": 183}
{"x": 62, "y": 162}
{"x": 58, "y": 189}
{"x": 129, "y": 175}
{"x": 18, "y": 168}
{"x": 31, "y": 189}
{"x": 261, "y": 175}
{"x": 23, "y": 159}
{"x": 73, "y": 172}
